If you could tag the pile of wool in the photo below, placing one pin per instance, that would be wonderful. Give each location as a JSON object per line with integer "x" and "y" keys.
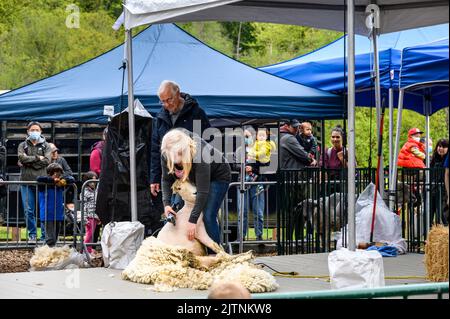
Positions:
{"x": 436, "y": 253}
{"x": 53, "y": 258}
{"x": 170, "y": 267}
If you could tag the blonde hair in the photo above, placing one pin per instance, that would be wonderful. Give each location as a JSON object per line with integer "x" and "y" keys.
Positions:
{"x": 176, "y": 142}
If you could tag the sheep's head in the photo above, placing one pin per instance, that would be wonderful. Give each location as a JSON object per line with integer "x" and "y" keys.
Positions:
{"x": 186, "y": 190}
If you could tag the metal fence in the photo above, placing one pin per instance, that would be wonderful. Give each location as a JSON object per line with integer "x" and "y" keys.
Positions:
{"x": 25, "y": 225}
{"x": 304, "y": 210}
{"x": 312, "y": 210}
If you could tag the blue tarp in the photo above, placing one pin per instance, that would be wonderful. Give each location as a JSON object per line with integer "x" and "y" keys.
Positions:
{"x": 325, "y": 68}
{"x": 423, "y": 64}
{"x": 224, "y": 87}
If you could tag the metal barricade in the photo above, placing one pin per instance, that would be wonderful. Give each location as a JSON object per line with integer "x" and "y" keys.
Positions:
{"x": 24, "y": 224}
{"x": 312, "y": 210}
{"x": 225, "y": 220}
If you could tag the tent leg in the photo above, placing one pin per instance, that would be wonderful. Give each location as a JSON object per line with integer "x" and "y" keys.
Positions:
{"x": 242, "y": 195}
{"x": 378, "y": 103}
{"x": 351, "y": 124}
{"x": 393, "y": 186}
{"x": 427, "y": 172}
{"x": 133, "y": 187}
{"x": 391, "y": 129}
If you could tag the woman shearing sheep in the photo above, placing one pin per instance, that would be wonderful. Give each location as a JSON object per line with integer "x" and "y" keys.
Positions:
{"x": 192, "y": 159}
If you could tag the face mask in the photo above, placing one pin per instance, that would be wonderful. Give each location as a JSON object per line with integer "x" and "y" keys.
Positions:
{"x": 35, "y": 135}
{"x": 248, "y": 141}
{"x": 416, "y": 138}
{"x": 430, "y": 150}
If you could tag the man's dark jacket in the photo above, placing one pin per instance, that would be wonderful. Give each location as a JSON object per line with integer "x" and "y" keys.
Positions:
{"x": 163, "y": 123}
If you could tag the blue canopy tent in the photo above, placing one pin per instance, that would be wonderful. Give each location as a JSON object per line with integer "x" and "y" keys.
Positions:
{"x": 224, "y": 87}
{"x": 425, "y": 73}
{"x": 325, "y": 68}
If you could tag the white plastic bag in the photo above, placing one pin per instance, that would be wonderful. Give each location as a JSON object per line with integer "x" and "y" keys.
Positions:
{"x": 387, "y": 227}
{"x": 355, "y": 269}
{"x": 120, "y": 242}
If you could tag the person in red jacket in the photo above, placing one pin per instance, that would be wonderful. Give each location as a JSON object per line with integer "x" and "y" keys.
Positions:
{"x": 95, "y": 160}
{"x": 412, "y": 154}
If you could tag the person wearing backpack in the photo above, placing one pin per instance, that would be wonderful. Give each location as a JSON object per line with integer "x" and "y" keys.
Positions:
{"x": 34, "y": 156}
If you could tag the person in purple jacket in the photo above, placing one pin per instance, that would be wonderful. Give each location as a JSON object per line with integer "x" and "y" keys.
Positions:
{"x": 335, "y": 158}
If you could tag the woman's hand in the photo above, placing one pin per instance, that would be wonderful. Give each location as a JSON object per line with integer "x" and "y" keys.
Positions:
{"x": 167, "y": 210}
{"x": 191, "y": 230}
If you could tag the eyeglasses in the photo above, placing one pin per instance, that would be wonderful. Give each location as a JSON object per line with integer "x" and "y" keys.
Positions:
{"x": 166, "y": 101}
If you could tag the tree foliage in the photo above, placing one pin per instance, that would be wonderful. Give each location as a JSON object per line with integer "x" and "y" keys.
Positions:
{"x": 36, "y": 43}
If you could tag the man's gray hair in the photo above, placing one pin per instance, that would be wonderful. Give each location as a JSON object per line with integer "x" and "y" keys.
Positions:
{"x": 166, "y": 83}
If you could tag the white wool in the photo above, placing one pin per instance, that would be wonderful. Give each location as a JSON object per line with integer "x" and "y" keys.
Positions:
{"x": 46, "y": 256}
{"x": 170, "y": 267}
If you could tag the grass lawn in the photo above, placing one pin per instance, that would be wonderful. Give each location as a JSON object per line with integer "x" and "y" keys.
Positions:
{"x": 23, "y": 233}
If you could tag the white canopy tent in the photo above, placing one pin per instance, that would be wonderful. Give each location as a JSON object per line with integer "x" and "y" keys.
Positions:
{"x": 395, "y": 15}
{"x": 360, "y": 17}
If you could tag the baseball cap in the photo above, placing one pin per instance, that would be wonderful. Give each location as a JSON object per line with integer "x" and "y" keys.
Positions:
{"x": 294, "y": 123}
{"x": 414, "y": 131}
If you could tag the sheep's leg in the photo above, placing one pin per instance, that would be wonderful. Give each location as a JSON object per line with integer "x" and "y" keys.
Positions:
{"x": 203, "y": 237}
{"x": 207, "y": 261}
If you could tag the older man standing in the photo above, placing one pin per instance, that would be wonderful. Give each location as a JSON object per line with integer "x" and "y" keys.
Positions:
{"x": 179, "y": 110}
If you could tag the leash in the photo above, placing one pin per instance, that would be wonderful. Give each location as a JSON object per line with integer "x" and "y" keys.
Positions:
{"x": 294, "y": 274}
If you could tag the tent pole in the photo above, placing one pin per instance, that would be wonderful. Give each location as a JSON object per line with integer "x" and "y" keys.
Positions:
{"x": 242, "y": 195}
{"x": 378, "y": 102}
{"x": 427, "y": 161}
{"x": 351, "y": 123}
{"x": 133, "y": 188}
{"x": 393, "y": 186}
{"x": 391, "y": 129}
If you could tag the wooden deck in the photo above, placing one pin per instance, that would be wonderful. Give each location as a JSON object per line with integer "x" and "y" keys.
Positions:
{"x": 106, "y": 283}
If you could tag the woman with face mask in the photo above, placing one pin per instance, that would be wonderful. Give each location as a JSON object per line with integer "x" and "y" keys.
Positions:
{"x": 34, "y": 156}
{"x": 412, "y": 154}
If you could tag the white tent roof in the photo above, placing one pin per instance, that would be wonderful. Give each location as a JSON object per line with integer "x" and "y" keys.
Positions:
{"x": 395, "y": 15}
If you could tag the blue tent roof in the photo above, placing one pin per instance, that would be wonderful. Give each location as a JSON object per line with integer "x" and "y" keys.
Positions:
{"x": 426, "y": 68}
{"x": 324, "y": 68}
{"x": 224, "y": 87}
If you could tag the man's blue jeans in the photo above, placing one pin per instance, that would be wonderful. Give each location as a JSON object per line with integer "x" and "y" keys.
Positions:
{"x": 217, "y": 192}
{"x": 28, "y": 194}
{"x": 257, "y": 203}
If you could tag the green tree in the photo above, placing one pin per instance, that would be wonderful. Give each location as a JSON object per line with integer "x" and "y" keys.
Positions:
{"x": 211, "y": 33}
{"x": 242, "y": 32}
{"x": 39, "y": 44}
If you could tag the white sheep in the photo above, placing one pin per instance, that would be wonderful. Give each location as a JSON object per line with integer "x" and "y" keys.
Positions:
{"x": 172, "y": 261}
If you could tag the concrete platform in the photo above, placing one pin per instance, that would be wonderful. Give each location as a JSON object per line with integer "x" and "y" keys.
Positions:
{"x": 105, "y": 283}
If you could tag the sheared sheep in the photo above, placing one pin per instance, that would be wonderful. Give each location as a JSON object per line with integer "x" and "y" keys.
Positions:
{"x": 172, "y": 261}
{"x": 177, "y": 235}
